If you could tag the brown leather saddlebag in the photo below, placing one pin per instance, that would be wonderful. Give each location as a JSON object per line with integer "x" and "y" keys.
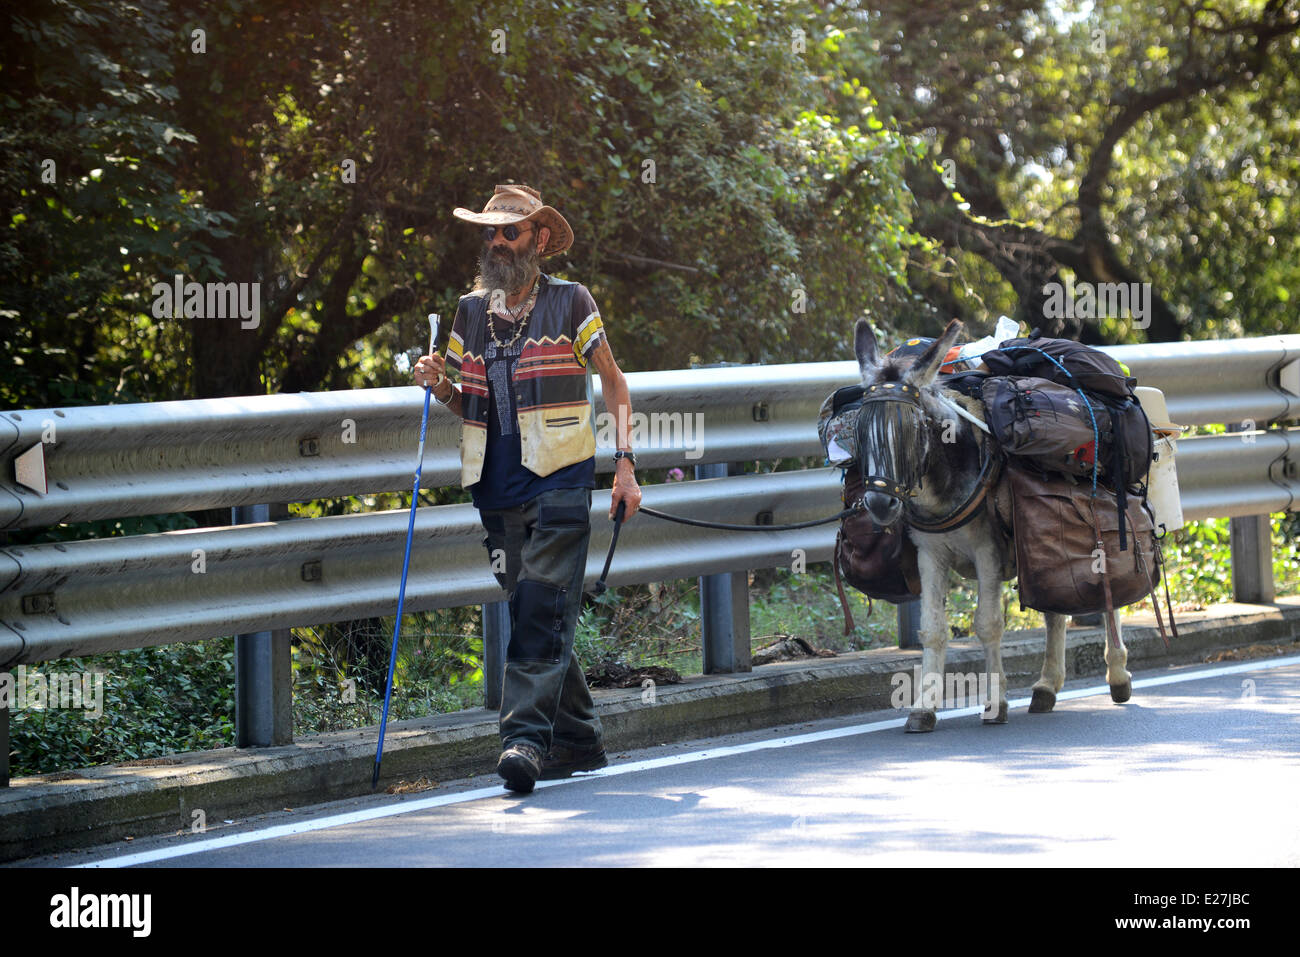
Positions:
{"x": 878, "y": 561}
{"x": 1056, "y": 525}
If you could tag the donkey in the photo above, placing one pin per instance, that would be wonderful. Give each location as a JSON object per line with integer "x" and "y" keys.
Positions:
{"x": 925, "y": 457}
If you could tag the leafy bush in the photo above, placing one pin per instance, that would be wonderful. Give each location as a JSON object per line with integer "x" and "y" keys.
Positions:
{"x": 156, "y": 701}
{"x": 341, "y": 670}
{"x": 658, "y": 622}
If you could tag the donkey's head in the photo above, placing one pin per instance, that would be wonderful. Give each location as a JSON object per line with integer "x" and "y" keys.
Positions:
{"x": 903, "y": 423}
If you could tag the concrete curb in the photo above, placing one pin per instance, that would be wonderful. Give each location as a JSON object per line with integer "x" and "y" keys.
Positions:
{"x": 52, "y": 812}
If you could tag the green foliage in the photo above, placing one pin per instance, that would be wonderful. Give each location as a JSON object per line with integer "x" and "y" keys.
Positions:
{"x": 340, "y": 670}
{"x": 1198, "y": 560}
{"x": 715, "y": 156}
{"x": 659, "y": 622}
{"x": 1286, "y": 553}
{"x": 176, "y": 698}
{"x": 1111, "y": 142}
{"x": 156, "y": 701}
{"x": 805, "y": 604}
{"x": 95, "y": 200}
{"x": 743, "y": 179}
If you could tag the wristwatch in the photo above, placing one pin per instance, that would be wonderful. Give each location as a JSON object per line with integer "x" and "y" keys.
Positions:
{"x": 620, "y": 454}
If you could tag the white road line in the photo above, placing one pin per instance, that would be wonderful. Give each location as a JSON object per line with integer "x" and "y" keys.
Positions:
{"x": 462, "y": 797}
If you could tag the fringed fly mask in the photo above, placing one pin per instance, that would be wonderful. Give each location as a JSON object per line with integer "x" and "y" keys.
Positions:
{"x": 893, "y": 439}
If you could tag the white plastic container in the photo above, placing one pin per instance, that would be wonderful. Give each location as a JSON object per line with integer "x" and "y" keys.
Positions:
{"x": 1162, "y": 480}
{"x": 1162, "y": 486}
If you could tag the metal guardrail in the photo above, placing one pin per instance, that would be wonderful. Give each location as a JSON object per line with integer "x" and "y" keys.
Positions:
{"x": 1221, "y": 381}
{"x": 116, "y": 461}
{"x": 104, "y": 595}
{"x": 88, "y": 597}
{"x": 1233, "y": 476}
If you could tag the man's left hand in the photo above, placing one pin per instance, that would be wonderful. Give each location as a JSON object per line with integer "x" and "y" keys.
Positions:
{"x": 625, "y": 490}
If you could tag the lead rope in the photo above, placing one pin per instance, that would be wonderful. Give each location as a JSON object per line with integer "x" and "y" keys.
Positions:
{"x": 600, "y": 586}
{"x": 698, "y": 523}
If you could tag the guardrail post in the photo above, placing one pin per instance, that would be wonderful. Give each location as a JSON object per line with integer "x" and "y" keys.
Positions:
{"x": 724, "y": 614}
{"x": 724, "y": 609}
{"x": 263, "y": 667}
{"x": 4, "y": 744}
{"x": 909, "y": 624}
{"x": 1252, "y": 559}
{"x": 496, "y": 636}
{"x": 1251, "y": 542}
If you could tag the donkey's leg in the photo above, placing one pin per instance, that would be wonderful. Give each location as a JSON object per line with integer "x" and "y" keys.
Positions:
{"x": 934, "y": 640}
{"x": 1117, "y": 676}
{"x": 988, "y": 627}
{"x": 1053, "y": 677}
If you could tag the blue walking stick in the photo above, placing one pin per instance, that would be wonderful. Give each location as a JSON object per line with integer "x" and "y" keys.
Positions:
{"x": 406, "y": 559}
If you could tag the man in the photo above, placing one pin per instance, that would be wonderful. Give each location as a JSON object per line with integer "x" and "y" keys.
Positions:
{"x": 522, "y": 342}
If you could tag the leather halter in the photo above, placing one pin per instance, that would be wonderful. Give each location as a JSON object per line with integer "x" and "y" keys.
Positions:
{"x": 990, "y": 468}
{"x": 990, "y": 472}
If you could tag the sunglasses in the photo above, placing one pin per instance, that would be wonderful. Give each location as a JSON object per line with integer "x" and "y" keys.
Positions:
{"x": 511, "y": 232}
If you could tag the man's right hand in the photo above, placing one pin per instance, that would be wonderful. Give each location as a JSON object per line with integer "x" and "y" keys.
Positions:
{"x": 427, "y": 370}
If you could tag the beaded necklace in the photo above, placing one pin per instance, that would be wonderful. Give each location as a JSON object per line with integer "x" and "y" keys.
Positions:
{"x": 516, "y": 316}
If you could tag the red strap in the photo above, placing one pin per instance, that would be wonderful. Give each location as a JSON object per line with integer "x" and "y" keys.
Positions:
{"x": 1105, "y": 574}
{"x": 1155, "y": 599}
{"x": 1110, "y": 602}
{"x": 839, "y": 587}
{"x": 1164, "y": 577}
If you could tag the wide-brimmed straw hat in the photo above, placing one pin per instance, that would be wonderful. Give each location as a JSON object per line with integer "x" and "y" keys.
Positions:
{"x": 1153, "y": 403}
{"x": 514, "y": 203}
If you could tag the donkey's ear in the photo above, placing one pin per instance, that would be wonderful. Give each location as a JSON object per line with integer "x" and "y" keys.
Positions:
{"x": 928, "y": 362}
{"x": 864, "y": 344}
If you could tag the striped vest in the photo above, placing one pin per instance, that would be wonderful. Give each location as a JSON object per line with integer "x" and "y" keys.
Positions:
{"x": 551, "y": 381}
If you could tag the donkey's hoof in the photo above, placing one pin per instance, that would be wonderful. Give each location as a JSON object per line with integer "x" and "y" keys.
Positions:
{"x": 1121, "y": 693}
{"x": 920, "y": 721}
{"x": 999, "y": 718}
{"x": 1042, "y": 702}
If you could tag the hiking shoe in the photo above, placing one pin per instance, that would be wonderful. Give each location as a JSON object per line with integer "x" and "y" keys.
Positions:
{"x": 520, "y": 765}
{"x": 563, "y": 761}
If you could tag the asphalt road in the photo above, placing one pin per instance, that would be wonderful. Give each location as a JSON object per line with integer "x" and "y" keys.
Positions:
{"x": 1190, "y": 773}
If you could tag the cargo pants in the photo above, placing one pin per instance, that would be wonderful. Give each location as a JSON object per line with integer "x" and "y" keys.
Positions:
{"x": 544, "y": 698}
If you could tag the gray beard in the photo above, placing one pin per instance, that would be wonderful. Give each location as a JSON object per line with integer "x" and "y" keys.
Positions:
{"x": 509, "y": 273}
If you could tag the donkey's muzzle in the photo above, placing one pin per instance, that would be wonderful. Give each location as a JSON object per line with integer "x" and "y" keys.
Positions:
{"x": 884, "y": 509}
